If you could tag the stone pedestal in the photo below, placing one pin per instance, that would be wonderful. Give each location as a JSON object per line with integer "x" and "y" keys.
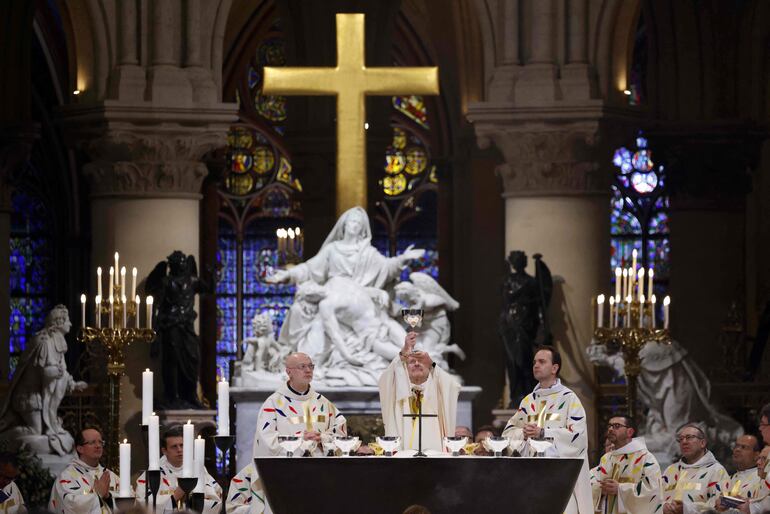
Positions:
{"x": 349, "y": 401}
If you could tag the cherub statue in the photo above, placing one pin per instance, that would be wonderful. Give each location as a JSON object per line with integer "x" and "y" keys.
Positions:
{"x": 262, "y": 351}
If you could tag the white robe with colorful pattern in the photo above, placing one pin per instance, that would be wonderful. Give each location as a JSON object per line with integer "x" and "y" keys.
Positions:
{"x": 246, "y": 495}
{"x": 11, "y": 501}
{"x": 564, "y": 419}
{"x": 744, "y": 484}
{"x": 212, "y": 493}
{"x": 696, "y": 485}
{"x": 73, "y": 493}
{"x": 287, "y": 413}
{"x": 638, "y": 475}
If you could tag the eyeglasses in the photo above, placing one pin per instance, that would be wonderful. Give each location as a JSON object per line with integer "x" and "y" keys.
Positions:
{"x": 98, "y": 442}
{"x": 303, "y": 367}
{"x": 688, "y": 438}
{"x": 616, "y": 426}
{"x": 742, "y": 446}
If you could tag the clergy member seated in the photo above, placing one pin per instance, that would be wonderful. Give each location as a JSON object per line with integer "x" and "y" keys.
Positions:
{"x": 410, "y": 378}
{"x": 246, "y": 495}
{"x": 627, "y": 479}
{"x": 169, "y": 494}
{"x": 761, "y": 504}
{"x": 296, "y": 409}
{"x": 692, "y": 484}
{"x": 11, "y": 501}
{"x": 745, "y": 482}
{"x": 85, "y": 486}
{"x": 554, "y": 411}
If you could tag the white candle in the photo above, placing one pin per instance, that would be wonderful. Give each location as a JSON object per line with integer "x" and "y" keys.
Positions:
{"x": 600, "y": 310}
{"x": 200, "y": 464}
{"x": 125, "y": 311}
{"x": 99, "y": 281}
{"x": 153, "y": 441}
{"x": 123, "y": 280}
{"x": 187, "y": 449}
{"x": 666, "y": 303}
{"x": 612, "y": 312}
{"x": 653, "y": 300}
{"x": 149, "y": 311}
{"x": 223, "y": 407}
{"x": 82, "y": 310}
{"x": 625, "y": 283}
{"x": 641, "y": 282}
{"x": 633, "y": 260}
{"x": 117, "y": 268}
{"x": 138, "y": 302}
{"x": 650, "y": 274}
{"x": 641, "y": 310}
{"x": 133, "y": 282}
{"x": 628, "y": 310}
{"x": 630, "y": 282}
{"x": 112, "y": 312}
{"x": 125, "y": 469}
{"x": 147, "y": 385}
{"x": 98, "y": 311}
{"x": 618, "y": 274}
{"x": 112, "y": 279}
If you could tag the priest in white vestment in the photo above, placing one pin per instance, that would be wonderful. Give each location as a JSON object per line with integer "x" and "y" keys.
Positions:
{"x": 694, "y": 483}
{"x": 169, "y": 493}
{"x": 11, "y": 500}
{"x": 85, "y": 486}
{"x": 627, "y": 479}
{"x": 553, "y": 410}
{"x": 410, "y": 378}
{"x": 746, "y": 482}
{"x": 246, "y": 495}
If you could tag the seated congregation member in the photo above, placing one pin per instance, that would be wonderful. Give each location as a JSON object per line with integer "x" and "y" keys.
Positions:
{"x": 627, "y": 479}
{"x": 245, "y": 495}
{"x": 553, "y": 410}
{"x": 170, "y": 494}
{"x": 11, "y": 501}
{"x": 745, "y": 482}
{"x": 296, "y": 409}
{"x": 412, "y": 377}
{"x": 85, "y": 486}
{"x": 693, "y": 483}
{"x": 463, "y": 431}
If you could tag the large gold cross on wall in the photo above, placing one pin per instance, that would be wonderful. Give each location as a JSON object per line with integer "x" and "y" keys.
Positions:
{"x": 351, "y": 81}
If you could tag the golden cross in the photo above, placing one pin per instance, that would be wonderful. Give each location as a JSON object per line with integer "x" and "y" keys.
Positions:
{"x": 307, "y": 418}
{"x": 351, "y": 81}
{"x": 683, "y": 485}
{"x": 541, "y": 417}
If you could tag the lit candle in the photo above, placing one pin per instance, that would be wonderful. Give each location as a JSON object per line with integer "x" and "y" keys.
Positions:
{"x": 147, "y": 385}
{"x": 138, "y": 302}
{"x": 631, "y": 274}
{"x": 112, "y": 312}
{"x": 187, "y": 449}
{"x": 123, "y": 280}
{"x": 125, "y": 469}
{"x": 641, "y": 282}
{"x": 641, "y": 310}
{"x": 82, "y": 310}
{"x": 117, "y": 268}
{"x": 99, "y": 281}
{"x": 625, "y": 283}
{"x": 200, "y": 465}
{"x": 149, "y": 311}
{"x": 650, "y": 274}
{"x": 666, "y": 303}
{"x": 112, "y": 279}
{"x": 628, "y": 310}
{"x": 223, "y": 407}
{"x": 653, "y": 301}
{"x": 153, "y": 441}
{"x": 133, "y": 282}
{"x": 125, "y": 311}
{"x": 633, "y": 260}
{"x": 98, "y": 311}
{"x": 618, "y": 274}
{"x": 600, "y": 310}
{"x": 612, "y": 312}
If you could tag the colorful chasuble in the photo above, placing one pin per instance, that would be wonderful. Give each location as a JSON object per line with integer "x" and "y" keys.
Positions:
{"x": 287, "y": 413}
{"x": 745, "y": 484}
{"x": 73, "y": 493}
{"x": 246, "y": 495}
{"x": 638, "y": 475}
{"x": 558, "y": 411}
{"x": 398, "y": 396}
{"x": 212, "y": 493}
{"x": 11, "y": 500}
{"x": 696, "y": 485}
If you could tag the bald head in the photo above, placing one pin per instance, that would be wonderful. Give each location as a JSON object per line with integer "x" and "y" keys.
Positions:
{"x": 299, "y": 368}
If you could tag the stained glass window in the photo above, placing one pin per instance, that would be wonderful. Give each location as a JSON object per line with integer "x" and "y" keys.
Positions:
{"x": 639, "y": 216}
{"x": 30, "y": 270}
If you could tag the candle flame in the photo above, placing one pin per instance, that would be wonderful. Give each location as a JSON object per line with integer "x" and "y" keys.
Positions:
{"x": 188, "y": 421}
{"x": 133, "y": 271}
{"x": 600, "y": 298}
{"x": 117, "y": 255}
{"x": 199, "y": 436}
{"x": 653, "y": 299}
{"x": 125, "y": 441}
{"x": 667, "y": 300}
{"x": 82, "y": 298}
{"x": 633, "y": 253}
{"x": 99, "y": 271}
{"x": 612, "y": 300}
{"x": 149, "y": 300}
{"x": 618, "y": 272}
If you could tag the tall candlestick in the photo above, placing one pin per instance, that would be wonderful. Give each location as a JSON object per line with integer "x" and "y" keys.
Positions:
{"x": 600, "y": 310}
{"x": 138, "y": 302}
{"x": 200, "y": 466}
{"x": 666, "y": 303}
{"x": 187, "y": 449}
{"x": 125, "y": 311}
{"x": 149, "y": 311}
{"x": 653, "y": 301}
{"x": 633, "y": 260}
{"x": 618, "y": 274}
{"x": 99, "y": 281}
{"x": 153, "y": 441}
{"x": 147, "y": 386}
{"x": 641, "y": 282}
{"x": 117, "y": 268}
{"x": 650, "y": 274}
{"x": 631, "y": 274}
{"x": 612, "y": 312}
{"x": 112, "y": 312}
{"x": 125, "y": 469}
{"x": 112, "y": 279}
{"x": 82, "y": 310}
{"x": 123, "y": 280}
{"x": 98, "y": 311}
{"x": 625, "y": 283}
{"x": 133, "y": 282}
{"x": 223, "y": 407}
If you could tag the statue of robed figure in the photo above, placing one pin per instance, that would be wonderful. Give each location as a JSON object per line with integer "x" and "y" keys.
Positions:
{"x": 525, "y": 310}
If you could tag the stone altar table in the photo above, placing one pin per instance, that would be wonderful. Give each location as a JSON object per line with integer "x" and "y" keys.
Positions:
{"x": 349, "y": 400}
{"x": 388, "y": 485}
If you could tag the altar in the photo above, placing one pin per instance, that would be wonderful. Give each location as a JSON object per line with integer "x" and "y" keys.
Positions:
{"x": 389, "y": 485}
{"x": 349, "y": 400}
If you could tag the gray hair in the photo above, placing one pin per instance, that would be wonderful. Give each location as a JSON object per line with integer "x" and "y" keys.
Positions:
{"x": 697, "y": 426}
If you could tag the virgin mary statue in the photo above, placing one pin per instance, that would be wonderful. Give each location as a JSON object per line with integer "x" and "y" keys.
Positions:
{"x": 340, "y": 315}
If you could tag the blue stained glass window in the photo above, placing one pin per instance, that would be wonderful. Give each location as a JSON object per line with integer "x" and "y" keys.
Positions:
{"x": 30, "y": 267}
